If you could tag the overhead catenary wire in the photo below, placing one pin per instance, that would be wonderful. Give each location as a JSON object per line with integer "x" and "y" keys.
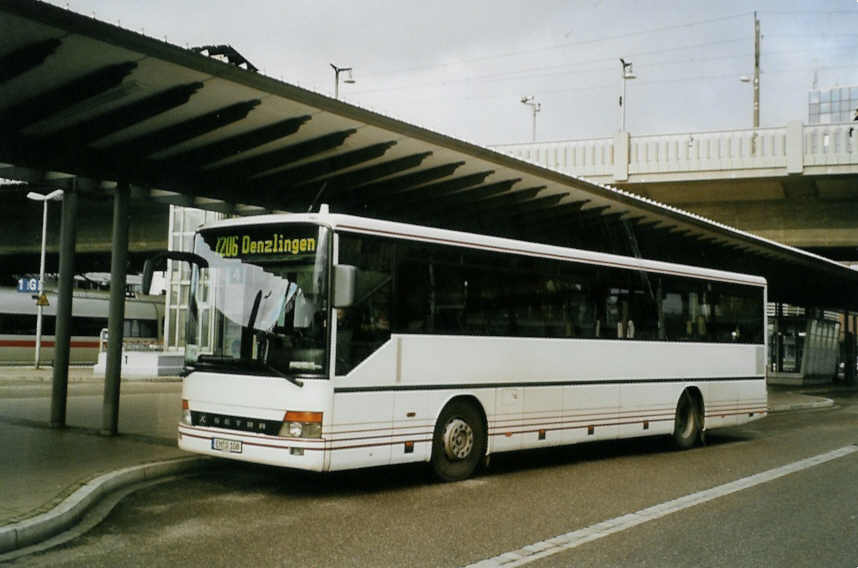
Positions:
{"x": 561, "y": 45}
{"x": 565, "y": 69}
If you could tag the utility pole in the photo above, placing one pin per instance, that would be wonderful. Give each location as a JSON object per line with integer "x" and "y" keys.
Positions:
{"x": 626, "y": 73}
{"x": 756, "y": 71}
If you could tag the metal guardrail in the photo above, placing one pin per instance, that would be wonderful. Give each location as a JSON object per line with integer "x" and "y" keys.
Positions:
{"x": 792, "y": 149}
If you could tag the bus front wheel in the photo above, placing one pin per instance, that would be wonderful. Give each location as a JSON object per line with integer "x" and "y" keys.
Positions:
{"x": 689, "y": 423}
{"x": 459, "y": 441}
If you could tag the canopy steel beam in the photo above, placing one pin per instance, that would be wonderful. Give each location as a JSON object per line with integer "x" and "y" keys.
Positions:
{"x": 240, "y": 171}
{"x": 25, "y": 58}
{"x": 329, "y": 187}
{"x": 592, "y": 220}
{"x": 51, "y": 102}
{"x": 469, "y": 196}
{"x": 398, "y": 184}
{"x": 535, "y": 211}
{"x": 232, "y": 146}
{"x": 430, "y": 191}
{"x": 517, "y": 197}
{"x": 82, "y": 134}
{"x": 471, "y": 211}
{"x": 169, "y": 136}
{"x": 519, "y": 218}
{"x": 287, "y": 179}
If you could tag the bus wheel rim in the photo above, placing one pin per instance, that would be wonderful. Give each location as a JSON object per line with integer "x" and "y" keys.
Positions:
{"x": 458, "y": 439}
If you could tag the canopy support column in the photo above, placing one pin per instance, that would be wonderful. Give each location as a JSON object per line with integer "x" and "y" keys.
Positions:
{"x": 849, "y": 371}
{"x": 118, "y": 271}
{"x": 68, "y": 240}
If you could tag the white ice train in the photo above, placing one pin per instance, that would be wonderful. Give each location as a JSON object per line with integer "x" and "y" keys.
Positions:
{"x": 144, "y": 318}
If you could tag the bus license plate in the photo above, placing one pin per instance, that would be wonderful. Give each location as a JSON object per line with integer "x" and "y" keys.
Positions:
{"x": 223, "y": 445}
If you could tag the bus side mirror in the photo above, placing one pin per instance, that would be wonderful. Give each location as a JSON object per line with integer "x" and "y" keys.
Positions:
{"x": 345, "y": 277}
{"x": 148, "y": 269}
{"x": 159, "y": 262}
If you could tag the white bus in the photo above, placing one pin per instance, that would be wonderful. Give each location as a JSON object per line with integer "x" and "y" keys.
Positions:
{"x": 327, "y": 342}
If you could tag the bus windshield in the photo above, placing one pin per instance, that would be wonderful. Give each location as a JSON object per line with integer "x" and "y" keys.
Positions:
{"x": 261, "y": 305}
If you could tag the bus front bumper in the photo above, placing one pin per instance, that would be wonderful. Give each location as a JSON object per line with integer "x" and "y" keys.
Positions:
{"x": 298, "y": 453}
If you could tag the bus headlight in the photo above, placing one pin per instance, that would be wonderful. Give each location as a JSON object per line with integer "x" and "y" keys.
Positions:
{"x": 302, "y": 425}
{"x": 186, "y": 412}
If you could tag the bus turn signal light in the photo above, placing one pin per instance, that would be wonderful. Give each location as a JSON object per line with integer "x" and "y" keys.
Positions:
{"x": 301, "y": 425}
{"x": 293, "y": 416}
{"x": 186, "y": 412}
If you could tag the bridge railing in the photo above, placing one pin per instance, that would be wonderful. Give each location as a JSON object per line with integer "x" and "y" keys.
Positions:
{"x": 583, "y": 157}
{"x": 762, "y": 151}
{"x": 831, "y": 144}
{"x": 702, "y": 151}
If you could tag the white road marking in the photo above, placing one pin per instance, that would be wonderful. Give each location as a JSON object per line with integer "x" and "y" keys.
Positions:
{"x": 572, "y": 539}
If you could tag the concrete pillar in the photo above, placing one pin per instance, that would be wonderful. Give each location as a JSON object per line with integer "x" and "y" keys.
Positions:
{"x": 779, "y": 340}
{"x": 118, "y": 269}
{"x": 794, "y": 147}
{"x": 849, "y": 373}
{"x": 68, "y": 240}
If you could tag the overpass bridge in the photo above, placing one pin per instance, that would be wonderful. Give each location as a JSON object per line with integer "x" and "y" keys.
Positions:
{"x": 796, "y": 184}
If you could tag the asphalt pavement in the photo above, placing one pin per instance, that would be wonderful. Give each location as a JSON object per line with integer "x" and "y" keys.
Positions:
{"x": 49, "y": 478}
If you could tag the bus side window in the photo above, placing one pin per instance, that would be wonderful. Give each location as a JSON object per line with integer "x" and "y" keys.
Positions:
{"x": 364, "y": 326}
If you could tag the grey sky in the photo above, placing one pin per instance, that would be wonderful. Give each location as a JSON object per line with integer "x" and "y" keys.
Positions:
{"x": 461, "y": 67}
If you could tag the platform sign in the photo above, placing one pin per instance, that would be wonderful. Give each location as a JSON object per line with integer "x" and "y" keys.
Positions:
{"x": 28, "y": 285}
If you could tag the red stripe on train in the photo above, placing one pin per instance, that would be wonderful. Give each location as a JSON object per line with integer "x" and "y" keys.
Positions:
{"x": 32, "y": 343}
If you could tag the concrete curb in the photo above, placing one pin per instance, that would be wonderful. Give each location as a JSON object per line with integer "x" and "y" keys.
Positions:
{"x": 786, "y": 407}
{"x": 45, "y": 525}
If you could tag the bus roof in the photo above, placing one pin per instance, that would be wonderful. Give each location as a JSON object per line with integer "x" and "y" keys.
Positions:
{"x": 366, "y": 225}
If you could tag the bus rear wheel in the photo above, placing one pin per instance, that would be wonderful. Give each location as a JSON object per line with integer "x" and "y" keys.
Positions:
{"x": 459, "y": 441}
{"x": 688, "y": 424}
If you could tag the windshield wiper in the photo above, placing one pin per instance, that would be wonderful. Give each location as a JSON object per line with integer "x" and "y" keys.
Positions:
{"x": 280, "y": 373}
{"x": 214, "y": 362}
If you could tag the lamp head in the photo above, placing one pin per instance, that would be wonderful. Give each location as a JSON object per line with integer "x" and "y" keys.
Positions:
{"x": 55, "y": 195}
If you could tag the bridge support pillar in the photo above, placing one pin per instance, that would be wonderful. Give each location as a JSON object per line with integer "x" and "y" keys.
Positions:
{"x": 116, "y": 320}
{"x": 794, "y": 147}
{"x": 68, "y": 240}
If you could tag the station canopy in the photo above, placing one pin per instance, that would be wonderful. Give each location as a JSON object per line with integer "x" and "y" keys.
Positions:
{"x": 93, "y": 105}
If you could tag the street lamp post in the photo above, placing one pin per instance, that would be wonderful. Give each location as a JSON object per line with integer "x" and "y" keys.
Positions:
{"x": 349, "y": 80}
{"x": 535, "y": 108}
{"x": 627, "y": 73}
{"x": 54, "y": 195}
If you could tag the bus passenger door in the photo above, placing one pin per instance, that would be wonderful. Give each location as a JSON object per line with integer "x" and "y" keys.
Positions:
{"x": 507, "y": 421}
